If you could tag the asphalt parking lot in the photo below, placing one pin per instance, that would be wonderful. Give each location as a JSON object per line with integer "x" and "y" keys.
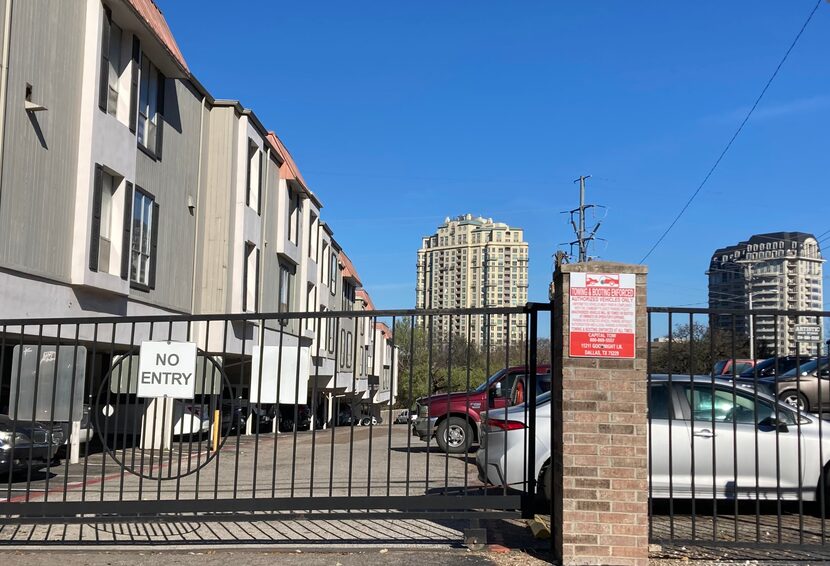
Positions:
{"x": 360, "y": 461}
{"x": 379, "y": 460}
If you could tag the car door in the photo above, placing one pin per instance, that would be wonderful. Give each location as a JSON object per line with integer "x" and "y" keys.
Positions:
{"x": 669, "y": 446}
{"x": 738, "y": 451}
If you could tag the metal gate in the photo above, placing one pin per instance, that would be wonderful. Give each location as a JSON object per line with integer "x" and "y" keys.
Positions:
{"x": 739, "y": 447}
{"x": 293, "y": 415}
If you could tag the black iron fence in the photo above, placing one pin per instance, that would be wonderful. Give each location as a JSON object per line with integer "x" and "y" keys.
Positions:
{"x": 738, "y": 447}
{"x": 313, "y": 415}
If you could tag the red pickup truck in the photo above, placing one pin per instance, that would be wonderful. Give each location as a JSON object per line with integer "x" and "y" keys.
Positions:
{"x": 453, "y": 418}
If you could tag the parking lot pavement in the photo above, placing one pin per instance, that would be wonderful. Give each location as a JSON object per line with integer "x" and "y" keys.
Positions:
{"x": 336, "y": 462}
{"x": 343, "y": 461}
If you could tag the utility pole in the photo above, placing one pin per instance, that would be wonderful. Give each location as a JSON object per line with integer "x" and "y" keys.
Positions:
{"x": 583, "y": 235}
{"x": 583, "y": 245}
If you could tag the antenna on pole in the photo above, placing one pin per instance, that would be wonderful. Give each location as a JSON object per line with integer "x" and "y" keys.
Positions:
{"x": 583, "y": 236}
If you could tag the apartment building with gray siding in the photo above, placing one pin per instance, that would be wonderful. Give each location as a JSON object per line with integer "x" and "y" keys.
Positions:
{"x": 127, "y": 189}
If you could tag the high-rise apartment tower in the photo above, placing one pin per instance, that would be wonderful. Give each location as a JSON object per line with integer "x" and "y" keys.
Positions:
{"x": 470, "y": 263}
{"x": 780, "y": 271}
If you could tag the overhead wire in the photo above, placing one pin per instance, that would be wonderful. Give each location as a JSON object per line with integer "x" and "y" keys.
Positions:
{"x": 734, "y": 136}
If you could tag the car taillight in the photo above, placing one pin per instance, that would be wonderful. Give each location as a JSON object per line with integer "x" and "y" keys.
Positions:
{"x": 505, "y": 425}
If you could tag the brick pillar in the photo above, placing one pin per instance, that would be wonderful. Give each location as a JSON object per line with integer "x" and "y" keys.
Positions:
{"x": 600, "y": 446}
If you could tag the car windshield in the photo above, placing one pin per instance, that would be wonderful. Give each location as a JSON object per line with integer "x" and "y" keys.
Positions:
{"x": 490, "y": 381}
{"x": 808, "y": 367}
{"x": 719, "y": 367}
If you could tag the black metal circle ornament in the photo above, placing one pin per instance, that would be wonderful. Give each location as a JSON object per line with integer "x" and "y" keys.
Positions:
{"x": 117, "y": 407}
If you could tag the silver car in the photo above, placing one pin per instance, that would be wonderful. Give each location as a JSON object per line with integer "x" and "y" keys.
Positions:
{"x": 707, "y": 440}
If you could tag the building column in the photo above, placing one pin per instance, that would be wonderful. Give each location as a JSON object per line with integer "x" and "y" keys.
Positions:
{"x": 600, "y": 442}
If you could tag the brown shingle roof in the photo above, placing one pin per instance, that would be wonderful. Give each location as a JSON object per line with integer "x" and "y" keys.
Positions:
{"x": 364, "y": 296}
{"x": 384, "y": 329}
{"x": 349, "y": 272}
{"x": 152, "y": 16}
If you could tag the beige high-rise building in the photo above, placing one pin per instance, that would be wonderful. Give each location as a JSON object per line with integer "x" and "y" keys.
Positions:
{"x": 474, "y": 263}
{"x": 775, "y": 272}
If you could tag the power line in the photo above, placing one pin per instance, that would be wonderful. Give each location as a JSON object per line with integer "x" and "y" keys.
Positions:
{"x": 735, "y": 135}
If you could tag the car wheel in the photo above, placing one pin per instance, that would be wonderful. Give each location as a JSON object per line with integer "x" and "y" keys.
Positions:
{"x": 796, "y": 400}
{"x": 455, "y": 436}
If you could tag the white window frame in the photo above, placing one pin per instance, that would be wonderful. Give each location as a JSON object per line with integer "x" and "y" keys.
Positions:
{"x": 147, "y": 124}
{"x": 142, "y": 233}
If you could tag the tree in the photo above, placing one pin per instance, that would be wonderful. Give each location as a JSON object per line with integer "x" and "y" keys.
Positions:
{"x": 695, "y": 349}
{"x": 428, "y": 364}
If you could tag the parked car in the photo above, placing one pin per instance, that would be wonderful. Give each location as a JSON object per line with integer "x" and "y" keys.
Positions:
{"x": 800, "y": 386}
{"x": 405, "y": 417}
{"x": 287, "y": 416}
{"x": 772, "y": 366}
{"x": 366, "y": 420}
{"x": 732, "y": 367}
{"x": 453, "y": 418}
{"x": 713, "y": 417}
{"x": 27, "y": 446}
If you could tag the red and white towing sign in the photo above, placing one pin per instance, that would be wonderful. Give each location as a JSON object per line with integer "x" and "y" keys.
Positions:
{"x": 602, "y": 315}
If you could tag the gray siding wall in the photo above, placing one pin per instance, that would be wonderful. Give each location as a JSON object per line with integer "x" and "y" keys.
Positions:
{"x": 213, "y": 274}
{"x": 171, "y": 180}
{"x": 40, "y": 157}
{"x": 270, "y": 234}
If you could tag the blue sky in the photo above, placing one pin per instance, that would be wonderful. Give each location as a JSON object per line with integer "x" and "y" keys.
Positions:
{"x": 402, "y": 113}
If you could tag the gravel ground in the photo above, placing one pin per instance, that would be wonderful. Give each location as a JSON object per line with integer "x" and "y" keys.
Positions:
{"x": 383, "y": 557}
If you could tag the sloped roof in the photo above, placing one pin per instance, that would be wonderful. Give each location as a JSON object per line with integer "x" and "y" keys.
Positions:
{"x": 384, "y": 329}
{"x": 152, "y": 16}
{"x": 349, "y": 272}
{"x": 363, "y": 295}
{"x": 289, "y": 169}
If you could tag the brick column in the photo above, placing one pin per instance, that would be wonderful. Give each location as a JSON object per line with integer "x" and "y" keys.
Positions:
{"x": 600, "y": 446}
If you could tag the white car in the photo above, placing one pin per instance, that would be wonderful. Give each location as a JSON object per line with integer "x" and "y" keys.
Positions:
{"x": 711, "y": 418}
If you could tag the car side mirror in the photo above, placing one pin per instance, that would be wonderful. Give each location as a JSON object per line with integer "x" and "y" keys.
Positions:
{"x": 774, "y": 424}
{"x": 497, "y": 390}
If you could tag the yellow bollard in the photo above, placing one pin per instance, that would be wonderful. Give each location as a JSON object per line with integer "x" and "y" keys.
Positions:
{"x": 217, "y": 424}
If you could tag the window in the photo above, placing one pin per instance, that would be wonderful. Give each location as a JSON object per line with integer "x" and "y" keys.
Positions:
{"x": 728, "y": 406}
{"x": 150, "y": 107}
{"x": 109, "y": 185}
{"x": 287, "y": 272}
{"x": 110, "y": 65}
{"x": 342, "y": 348}
{"x": 331, "y": 335}
{"x": 250, "y": 297}
{"x": 659, "y": 402}
{"x": 254, "y": 175}
{"x": 144, "y": 239}
{"x": 311, "y": 306}
{"x": 333, "y": 272}
{"x": 109, "y": 240}
{"x": 312, "y": 236}
{"x": 293, "y": 216}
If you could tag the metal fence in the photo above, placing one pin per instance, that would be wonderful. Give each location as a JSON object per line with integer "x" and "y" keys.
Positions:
{"x": 738, "y": 447}
{"x": 311, "y": 415}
